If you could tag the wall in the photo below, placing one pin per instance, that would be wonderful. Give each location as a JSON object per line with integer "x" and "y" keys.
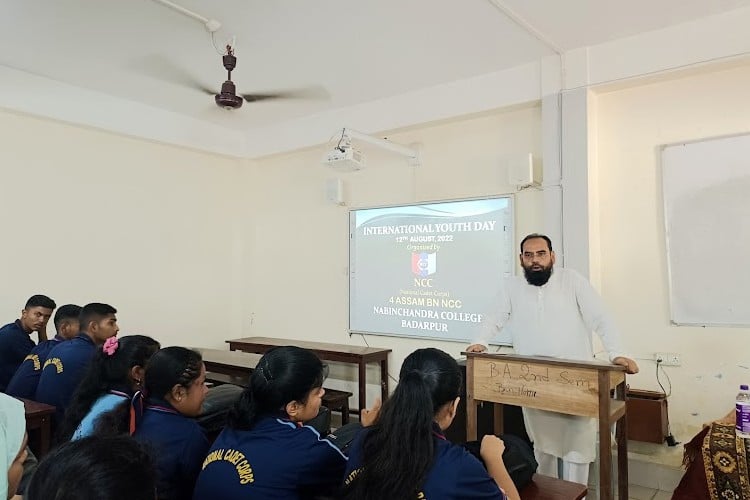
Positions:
{"x": 631, "y": 124}
{"x": 91, "y": 216}
{"x": 297, "y": 243}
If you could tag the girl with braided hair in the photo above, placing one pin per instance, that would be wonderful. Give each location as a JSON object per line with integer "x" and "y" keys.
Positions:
{"x": 176, "y": 389}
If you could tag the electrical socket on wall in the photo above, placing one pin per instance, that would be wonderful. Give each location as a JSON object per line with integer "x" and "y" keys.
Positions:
{"x": 667, "y": 358}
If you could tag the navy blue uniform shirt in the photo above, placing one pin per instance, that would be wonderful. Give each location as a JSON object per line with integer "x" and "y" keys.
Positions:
{"x": 178, "y": 446}
{"x": 275, "y": 460}
{"x": 62, "y": 372}
{"x": 25, "y": 380}
{"x": 15, "y": 344}
{"x": 455, "y": 475}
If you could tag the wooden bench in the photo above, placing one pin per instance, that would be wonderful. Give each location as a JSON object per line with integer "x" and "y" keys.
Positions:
{"x": 338, "y": 401}
{"x": 224, "y": 378}
{"x": 550, "y": 488}
{"x": 39, "y": 426}
{"x": 339, "y": 353}
{"x": 332, "y": 399}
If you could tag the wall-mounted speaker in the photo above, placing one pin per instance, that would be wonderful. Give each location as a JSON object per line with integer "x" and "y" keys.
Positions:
{"x": 335, "y": 191}
{"x": 524, "y": 172}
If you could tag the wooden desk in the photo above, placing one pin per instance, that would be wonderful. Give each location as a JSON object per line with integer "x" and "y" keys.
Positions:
{"x": 234, "y": 367}
{"x": 38, "y": 425}
{"x": 569, "y": 387}
{"x": 549, "y": 488}
{"x": 340, "y": 353}
{"x": 231, "y": 363}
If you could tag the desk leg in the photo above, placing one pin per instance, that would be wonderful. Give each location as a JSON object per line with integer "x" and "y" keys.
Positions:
{"x": 605, "y": 439}
{"x": 621, "y": 434}
{"x": 384, "y": 379}
{"x": 362, "y": 386}
{"x": 497, "y": 418}
{"x": 44, "y": 435}
{"x": 471, "y": 404}
{"x": 345, "y": 413}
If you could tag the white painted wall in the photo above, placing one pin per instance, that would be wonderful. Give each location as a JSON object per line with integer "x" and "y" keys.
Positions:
{"x": 296, "y": 283}
{"x": 631, "y": 124}
{"x": 90, "y": 216}
{"x": 196, "y": 248}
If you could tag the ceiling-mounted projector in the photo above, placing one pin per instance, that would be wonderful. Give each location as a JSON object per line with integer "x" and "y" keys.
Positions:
{"x": 345, "y": 158}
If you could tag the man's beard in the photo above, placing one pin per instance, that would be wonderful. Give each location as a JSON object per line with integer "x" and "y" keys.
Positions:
{"x": 537, "y": 278}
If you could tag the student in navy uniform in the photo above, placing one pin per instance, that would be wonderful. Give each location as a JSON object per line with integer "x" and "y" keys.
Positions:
{"x": 67, "y": 362}
{"x": 176, "y": 388}
{"x": 15, "y": 342}
{"x": 266, "y": 451}
{"x": 102, "y": 403}
{"x": 405, "y": 454}
{"x": 25, "y": 380}
{"x": 95, "y": 468}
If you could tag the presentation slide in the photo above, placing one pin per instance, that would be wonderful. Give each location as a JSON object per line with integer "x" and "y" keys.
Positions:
{"x": 429, "y": 270}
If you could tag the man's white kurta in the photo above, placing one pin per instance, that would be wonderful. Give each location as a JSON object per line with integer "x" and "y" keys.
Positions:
{"x": 555, "y": 320}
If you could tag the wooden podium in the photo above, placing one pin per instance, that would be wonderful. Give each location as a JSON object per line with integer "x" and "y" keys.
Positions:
{"x": 570, "y": 387}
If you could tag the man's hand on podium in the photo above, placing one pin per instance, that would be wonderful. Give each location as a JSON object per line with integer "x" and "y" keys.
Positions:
{"x": 476, "y": 348}
{"x": 631, "y": 366}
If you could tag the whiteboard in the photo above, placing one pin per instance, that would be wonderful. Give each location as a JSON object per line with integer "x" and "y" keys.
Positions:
{"x": 706, "y": 188}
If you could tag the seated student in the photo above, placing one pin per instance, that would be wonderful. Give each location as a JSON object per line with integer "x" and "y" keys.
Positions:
{"x": 12, "y": 444}
{"x": 176, "y": 388}
{"x": 25, "y": 380}
{"x": 67, "y": 362}
{"x": 15, "y": 342}
{"x": 114, "y": 376}
{"x": 29, "y": 467}
{"x": 95, "y": 468}
{"x": 405, "y": 454}
{"x": 266, "y": 451}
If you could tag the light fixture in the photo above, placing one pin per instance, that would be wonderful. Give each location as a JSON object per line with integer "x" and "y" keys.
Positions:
{"x": 345, "y": 156}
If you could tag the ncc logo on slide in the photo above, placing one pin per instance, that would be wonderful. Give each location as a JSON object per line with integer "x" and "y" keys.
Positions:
{"x": 423, "y": 264}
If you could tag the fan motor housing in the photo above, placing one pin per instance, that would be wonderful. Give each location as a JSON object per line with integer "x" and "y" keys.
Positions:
{"x": 228, "y": 101}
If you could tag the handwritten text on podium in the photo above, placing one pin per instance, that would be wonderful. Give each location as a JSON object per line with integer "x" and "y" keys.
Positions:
{"x": 563, "y": 389}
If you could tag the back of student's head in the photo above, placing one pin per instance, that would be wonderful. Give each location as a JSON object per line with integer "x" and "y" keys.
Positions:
{"x": 169, "y": 367}
{"x": 398, "y": 451}
{"x": 67, "y": 315}
{"x": 117, "y": 365}
{"x": 95, "y": 468}
{"x": 283, "y": 374}
{"x": 40, "y": 301}
{"x": 94, "y": 312}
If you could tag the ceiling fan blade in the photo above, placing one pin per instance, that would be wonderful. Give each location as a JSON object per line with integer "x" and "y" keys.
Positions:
{"x": 162, "y": 68}
{"x": 313, "y": 92}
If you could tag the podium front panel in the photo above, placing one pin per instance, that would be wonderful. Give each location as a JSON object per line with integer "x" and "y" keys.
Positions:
{"x": 562, "y": 389}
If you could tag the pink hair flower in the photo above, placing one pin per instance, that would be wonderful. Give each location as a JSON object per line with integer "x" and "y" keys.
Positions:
{"x": 110, "y": 345}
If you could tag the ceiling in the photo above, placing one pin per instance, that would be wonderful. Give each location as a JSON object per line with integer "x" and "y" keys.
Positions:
{"x": 357, "y": 51}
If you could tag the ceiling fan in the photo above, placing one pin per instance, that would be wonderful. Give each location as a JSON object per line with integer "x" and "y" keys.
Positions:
{"x": 227, "y": 98}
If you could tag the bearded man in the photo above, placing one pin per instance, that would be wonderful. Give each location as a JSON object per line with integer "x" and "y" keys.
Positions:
{"x": 552, "y": 312}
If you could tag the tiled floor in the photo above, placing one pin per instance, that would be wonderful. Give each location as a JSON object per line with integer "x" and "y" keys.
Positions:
{"x": 640, "y": 493}
{"x": 636, "y": 492}
{"x": 654, "y": 471}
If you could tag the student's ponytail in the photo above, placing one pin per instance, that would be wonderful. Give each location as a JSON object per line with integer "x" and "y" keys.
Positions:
{"x": 399, "y": 450}
{"x": 283, "y": 374}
